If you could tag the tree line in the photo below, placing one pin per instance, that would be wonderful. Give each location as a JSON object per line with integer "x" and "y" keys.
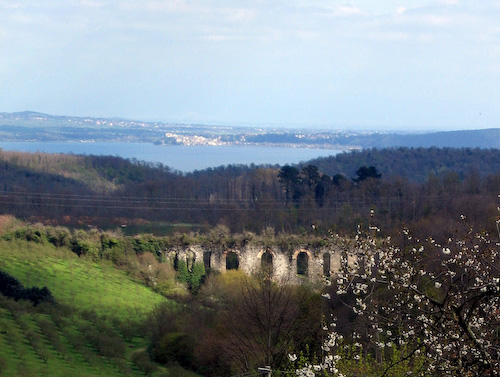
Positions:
{"x": 428, "y": 188}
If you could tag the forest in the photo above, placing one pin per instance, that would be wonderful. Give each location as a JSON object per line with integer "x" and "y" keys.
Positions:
{"x": 404, "y": 185}
{"x": 419, "y": 296}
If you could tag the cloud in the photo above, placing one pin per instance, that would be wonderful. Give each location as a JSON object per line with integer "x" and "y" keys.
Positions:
{"x": 346, "y": 11}
{"x": 222, "y": 38}
{"x": 240, "y": 15}
{"x": 307, "y": 35}
{"x": 92, "y": 4}
{"x": 10, "y": 5}
{"x": 174, "y": 6}
{"x": 394, "y": 36}
{"x": 400, "y": 10}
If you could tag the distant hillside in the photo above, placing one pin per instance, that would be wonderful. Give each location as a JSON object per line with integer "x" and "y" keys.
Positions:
{"x": 38, "y": 127}
{"x": 489, "y": 138}
{"x": 415, "y": 164}
{"x": 33, "y": 126}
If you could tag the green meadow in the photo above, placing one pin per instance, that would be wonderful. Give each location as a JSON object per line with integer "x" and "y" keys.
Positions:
{"x": 78, "y": 282}
{"x": 96, "y": 327}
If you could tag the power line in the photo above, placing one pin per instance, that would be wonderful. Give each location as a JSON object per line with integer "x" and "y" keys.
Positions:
{"x": 216, "y": 199}
{"x": 87, "y": 201}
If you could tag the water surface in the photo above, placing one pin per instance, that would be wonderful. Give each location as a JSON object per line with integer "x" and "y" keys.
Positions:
{"x": 179, "y": 157}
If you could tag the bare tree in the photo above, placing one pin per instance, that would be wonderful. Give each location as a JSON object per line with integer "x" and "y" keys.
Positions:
{"x": 263, "y": 323}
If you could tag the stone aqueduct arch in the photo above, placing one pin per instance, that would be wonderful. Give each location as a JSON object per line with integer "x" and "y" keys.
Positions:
{"x": 278, "y": 263}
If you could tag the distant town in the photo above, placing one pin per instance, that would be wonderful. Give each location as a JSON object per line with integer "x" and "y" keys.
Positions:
{"x": 38, "y": 127}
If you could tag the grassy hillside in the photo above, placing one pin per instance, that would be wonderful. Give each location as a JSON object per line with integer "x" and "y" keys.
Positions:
{"x": 77, "y": 282}
{"x": 93, "y": 330}
{"x": 77, "y": 173}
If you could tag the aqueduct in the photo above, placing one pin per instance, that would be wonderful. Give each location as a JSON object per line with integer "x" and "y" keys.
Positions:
{"x": 294, "y": 266}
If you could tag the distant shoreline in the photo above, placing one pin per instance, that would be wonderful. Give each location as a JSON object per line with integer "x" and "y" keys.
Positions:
{"x": 41, "y": 128}
{"x": 179, "y": 157}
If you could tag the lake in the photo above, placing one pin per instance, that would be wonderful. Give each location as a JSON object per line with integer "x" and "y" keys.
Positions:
{"x": 179, "y": 157}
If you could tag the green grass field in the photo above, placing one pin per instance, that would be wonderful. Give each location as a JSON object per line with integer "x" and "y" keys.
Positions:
{"x": 92, "y": 331}
{"x": 77, "y": 282}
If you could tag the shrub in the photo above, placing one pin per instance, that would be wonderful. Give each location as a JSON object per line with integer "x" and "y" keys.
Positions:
{"x": 58, "y": 236}
{"x": 174, "y": 347}
{"x": 193, "y": 279}
{"x": 38, "y": 295}
{"x": 35, "y": 233}
{"x": 146, "y": 243}
{"x": 157, "y": 275}
{"x": 112, "y": 246}
{"x": 197, "y": 277}
{"x": 127, "y": 328}
{"x": 11, "y": 287}
{"x": 143, "y": 362}
{"x": 105, "y": 341}
{"x": 83, "y": 244}
{"x": 3, "y": 365}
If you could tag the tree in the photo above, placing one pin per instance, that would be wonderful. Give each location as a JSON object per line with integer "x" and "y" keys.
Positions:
{"x": 338, "y": 180}
{"x": 322, "y": 189}
{"x": 365, "y": 172}
{"x": 289, "y": 176}
{"x": 263, "y": 321}
{"x": 310, "y": 176}
{"x": 438, "y": 303}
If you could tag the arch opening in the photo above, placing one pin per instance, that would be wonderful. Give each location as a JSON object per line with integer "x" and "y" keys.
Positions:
{"x": 207, "y": 260}
{"x": 302, "y": 263}
{"x": 232, "y": 261}
{"x": 326, "y": 264}
{"x": 175, "y": 261}
{"x": 266, "y": 263}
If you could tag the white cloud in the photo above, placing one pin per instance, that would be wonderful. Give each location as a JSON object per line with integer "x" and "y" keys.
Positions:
{"x": 346, "y": 11}
{"x": 308, "y": 35}
{"x": 222, "y": 38}
{"x": 174, "y": 6}
{"x": 92, "y": 4}
{"x": 10, "y": 5}
{"x": 391, "y": 36}
{"x": 400, "y": 10}
{"x": 430, "y": 20}
{"x": 240, "y": 15}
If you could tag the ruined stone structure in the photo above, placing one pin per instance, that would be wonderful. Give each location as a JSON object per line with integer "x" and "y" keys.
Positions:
{"x": 301, "y": 263}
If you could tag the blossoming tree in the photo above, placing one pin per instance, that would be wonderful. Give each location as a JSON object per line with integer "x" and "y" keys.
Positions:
{"x": 434, "y": 308}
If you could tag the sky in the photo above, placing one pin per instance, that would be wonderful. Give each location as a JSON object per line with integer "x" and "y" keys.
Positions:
{"x": 338, "y": 64}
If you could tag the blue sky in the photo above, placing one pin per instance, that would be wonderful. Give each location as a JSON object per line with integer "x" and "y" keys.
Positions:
{"x": 342, "y": 64}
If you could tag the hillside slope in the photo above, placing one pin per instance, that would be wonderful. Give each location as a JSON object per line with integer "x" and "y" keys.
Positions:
{"x": 414, "y": 164}
{"x": 94, "y": 329}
